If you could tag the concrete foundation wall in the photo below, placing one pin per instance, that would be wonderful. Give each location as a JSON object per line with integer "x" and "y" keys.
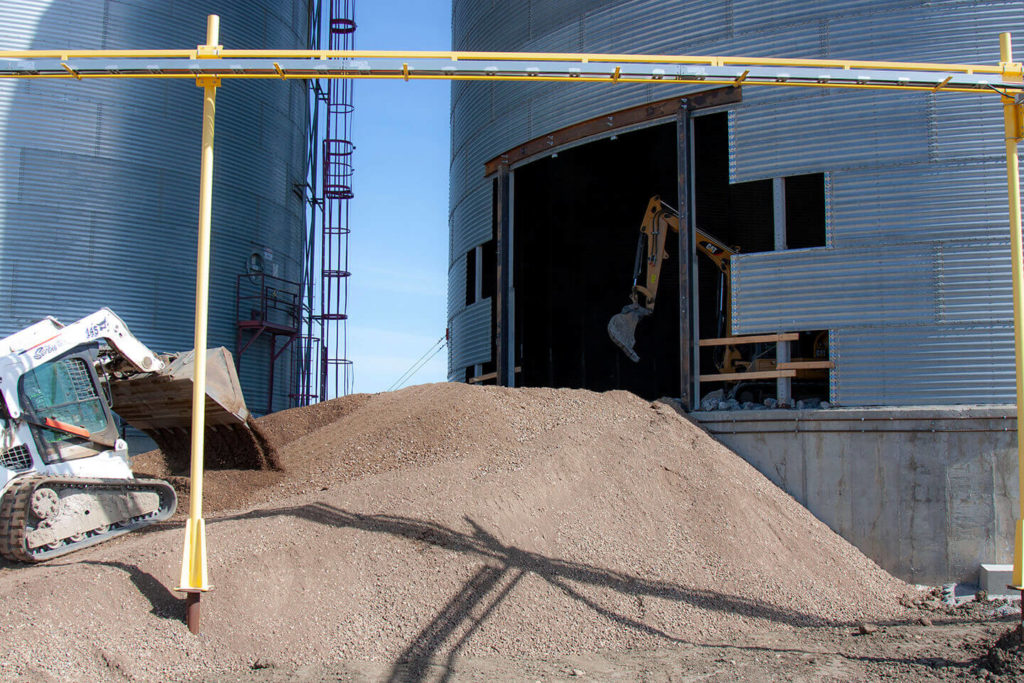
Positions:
{"x": 928, "y": 493}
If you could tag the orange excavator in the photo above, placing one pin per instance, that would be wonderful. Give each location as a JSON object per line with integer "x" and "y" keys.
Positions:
{"x": 659, "y": 220}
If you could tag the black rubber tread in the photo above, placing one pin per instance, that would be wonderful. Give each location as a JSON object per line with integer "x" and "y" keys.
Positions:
{"x": 6, "y": 505}
{"x": 15, "y": 513}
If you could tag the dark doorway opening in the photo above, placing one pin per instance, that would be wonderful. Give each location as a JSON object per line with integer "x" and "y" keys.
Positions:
{"x": 576, "y": 218}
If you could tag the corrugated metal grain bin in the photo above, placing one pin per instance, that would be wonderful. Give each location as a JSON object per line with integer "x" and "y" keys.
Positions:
{"x": 99, "y": 179}
{"x": 910, "y": 275}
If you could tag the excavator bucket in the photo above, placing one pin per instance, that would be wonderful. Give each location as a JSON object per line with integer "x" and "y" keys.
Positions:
{"x": 160, "y": 404}
{"x": 622, "y": 328}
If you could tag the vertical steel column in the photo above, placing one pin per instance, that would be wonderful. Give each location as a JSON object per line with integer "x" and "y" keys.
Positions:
{"x": 510, "y": 267}
{"x": 478, "y": 291}
{"x": 784, "y": 385}
{"x": 194, "y": 579}
{"x": 689, "y": 362}
{"x": 1012, "y": 128}
{"x": 503, "y": 324}
{"x": 306, "y": 357}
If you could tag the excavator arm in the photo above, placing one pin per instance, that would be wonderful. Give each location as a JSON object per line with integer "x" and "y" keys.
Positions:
{"x": 659, "y": 220}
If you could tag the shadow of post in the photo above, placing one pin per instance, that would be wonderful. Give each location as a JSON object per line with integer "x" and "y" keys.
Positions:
{"x": 163, "y": 603}
{"x": 505, "y": 567}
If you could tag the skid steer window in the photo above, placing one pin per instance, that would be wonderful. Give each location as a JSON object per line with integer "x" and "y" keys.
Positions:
{"x": 63, "y": 390}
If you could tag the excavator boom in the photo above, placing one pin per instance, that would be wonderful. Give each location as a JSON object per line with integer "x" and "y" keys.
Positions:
{"x": 659, "y": 220}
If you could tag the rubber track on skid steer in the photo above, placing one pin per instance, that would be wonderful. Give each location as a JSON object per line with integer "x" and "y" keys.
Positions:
{"x": 16, "y": 503}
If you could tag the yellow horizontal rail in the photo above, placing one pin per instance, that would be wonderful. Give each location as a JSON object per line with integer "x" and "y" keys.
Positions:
{"x": 412, "y": 76}
{"x": 709, "y": 60}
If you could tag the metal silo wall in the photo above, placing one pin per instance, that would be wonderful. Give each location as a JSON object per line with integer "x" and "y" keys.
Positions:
{"x": 99, "y": 179}
{"x": 913, "y": 282}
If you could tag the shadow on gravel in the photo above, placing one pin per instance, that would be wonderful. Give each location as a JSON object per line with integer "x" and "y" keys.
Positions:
{"x": 467, "y": 611}
{"x": 163, "y": 602}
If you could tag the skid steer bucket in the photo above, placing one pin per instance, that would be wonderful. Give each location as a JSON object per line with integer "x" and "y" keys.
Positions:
{"x": 160, "y": 404}
{"x": 622, "y": 328}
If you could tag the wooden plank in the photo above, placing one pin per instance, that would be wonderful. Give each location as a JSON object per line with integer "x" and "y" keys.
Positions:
{"x": 750, "y": 339}
{"x": 806, "y": 365}
{"x": 737, "y": 376}
{"x": 490, "y": 375}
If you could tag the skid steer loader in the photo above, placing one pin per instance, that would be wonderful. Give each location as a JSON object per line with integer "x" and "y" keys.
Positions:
{"x": 65, "y": 477}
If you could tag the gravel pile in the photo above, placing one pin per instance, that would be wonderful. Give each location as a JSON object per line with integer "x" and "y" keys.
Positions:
{"x": 443, "y": 521}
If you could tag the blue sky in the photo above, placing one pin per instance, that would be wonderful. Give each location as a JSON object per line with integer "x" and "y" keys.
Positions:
{"x": 399, "y": 216}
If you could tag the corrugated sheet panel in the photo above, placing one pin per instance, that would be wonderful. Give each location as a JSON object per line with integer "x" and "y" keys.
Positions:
{"x": 473, "y": 215}
{"x": 931, "y": 31}
{"x": 457, "y": 285}
{"x": 809, "y": 289}
{"x": 99, "y": 180}
{"x": 797, "y": 40}
{"x": 826, "y": 130}
{"x": 915, "y": 197}
{"x": 656, "y": 26}
{"x": 488, "y": 26}
{"x": 965, "y": 126}
{"x": 923, "y": 364}
{"x": 814, "y": 289}
{"x": 555, "y": 39}
{"x": 784, "y": 16}
{"x": 471, "y": 335}
{"x": 974, "y": 283}
{"x": 924, "y": 202}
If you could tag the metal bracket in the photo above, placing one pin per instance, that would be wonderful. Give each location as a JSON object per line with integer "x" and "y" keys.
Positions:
{"x": 211, "y": 51}
{"x": 1012, "y": 70}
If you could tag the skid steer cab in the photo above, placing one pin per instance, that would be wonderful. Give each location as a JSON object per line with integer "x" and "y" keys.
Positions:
{"x": 65, "y": 477}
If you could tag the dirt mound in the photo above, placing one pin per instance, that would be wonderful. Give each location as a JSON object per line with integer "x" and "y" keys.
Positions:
{"x": 229, "y": 488}
{"x": 444, "y": 521}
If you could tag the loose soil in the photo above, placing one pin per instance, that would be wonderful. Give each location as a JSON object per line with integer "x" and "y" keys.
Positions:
{"x": 479, "y": 533}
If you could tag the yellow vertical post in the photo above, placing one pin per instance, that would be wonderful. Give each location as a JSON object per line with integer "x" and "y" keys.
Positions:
{"x": 1012, "y": 125}
{"x": 194, "y": 577}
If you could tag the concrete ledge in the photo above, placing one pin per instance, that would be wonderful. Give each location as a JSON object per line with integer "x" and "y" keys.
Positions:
{"x": 927, "y": 492}
{"x": 995, "y": 578}
{"x": 997, "y": 418}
